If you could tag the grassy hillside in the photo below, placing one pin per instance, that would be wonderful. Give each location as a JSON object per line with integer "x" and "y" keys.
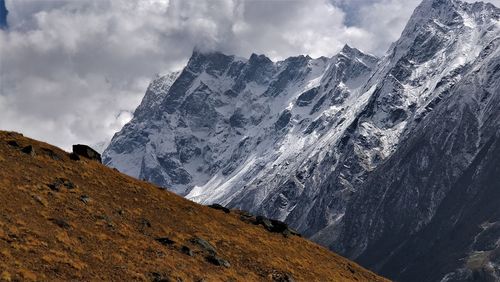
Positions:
{"x": 62, "y": 219}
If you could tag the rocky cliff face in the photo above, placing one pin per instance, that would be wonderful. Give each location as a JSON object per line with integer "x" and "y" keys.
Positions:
{"x": 226, "y": 122}
{"x": 366, "y": 156}
{"x": 431, "y": 209}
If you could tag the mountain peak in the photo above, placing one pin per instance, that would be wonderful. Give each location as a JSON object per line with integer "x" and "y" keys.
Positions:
{"x": 347, "y": 49}
{"x": 437, "y": 3}
{"x": 254, "y": 58}
{"x": 211, "y": 61}
{"x": 202, "y": 54}
{"x": 434, "y": 21}
{"x": 442, "y": 10}
{"x": 452, "y": 12}
{"x": 354, "y": 53}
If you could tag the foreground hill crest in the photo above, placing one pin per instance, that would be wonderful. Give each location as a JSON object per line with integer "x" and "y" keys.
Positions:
{"x": 67, "y": 219}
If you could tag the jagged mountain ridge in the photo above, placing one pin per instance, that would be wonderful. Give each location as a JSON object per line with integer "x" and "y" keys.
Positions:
{"x": 320, "y": 183}
{"x": 231, "y": 112}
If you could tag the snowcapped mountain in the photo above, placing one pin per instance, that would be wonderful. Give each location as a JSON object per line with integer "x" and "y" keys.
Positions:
{"x": 430, "y": 211}
{"x": 226, "y": 122}
{"x": 382, "y": 160}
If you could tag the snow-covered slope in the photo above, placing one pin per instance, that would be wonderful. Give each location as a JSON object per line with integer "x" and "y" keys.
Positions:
{"x": 432, "y": 210}
{"x": 226, "y": 121}
{"x": 332, "y": 145}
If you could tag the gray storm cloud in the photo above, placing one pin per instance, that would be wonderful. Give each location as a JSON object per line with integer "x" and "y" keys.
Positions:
{"x": 73, "y": 71}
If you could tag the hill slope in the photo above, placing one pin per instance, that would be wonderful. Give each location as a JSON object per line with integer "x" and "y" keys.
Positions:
{"x": 62, "y": 219}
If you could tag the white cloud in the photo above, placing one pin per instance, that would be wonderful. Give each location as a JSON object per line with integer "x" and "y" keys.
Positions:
{"x": 73, "y": 71}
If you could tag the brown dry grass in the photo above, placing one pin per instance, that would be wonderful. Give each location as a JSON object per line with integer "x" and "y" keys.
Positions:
{"x": 109, "y": 238}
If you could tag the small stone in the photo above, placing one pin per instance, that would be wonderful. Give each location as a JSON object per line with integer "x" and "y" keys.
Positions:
{"x": 245, "y": 214}
{"x": 54, "y": 186}
{"x": 61, "y": 223}
{"x": 247, "y": 217}
{"x": 107, "y": 219}
{"x": 145, "y": 223}
{"x": 13, "y": 143}
{"x": 165, "y": 241}
{"x": 213, "y": 259}
{"x": 281, "y": 277}
{"x": 205, "y": 245}
{"x": 351, "y": 269}
{"x": 51, "y": 154}
{"x": 278, "y": 226}
{"x": 275, "y": 226}
{"x": 219, "y": 207}
{"x": 294, "y": 232}
{"x": 85, "y": 199}
{"x": 186, "y": 250}
{"x": 286, "y": 233}
{"x": 28, "y": 150}
{"x": 60, "y": 183}
{"x": 68, "y": 184}
{"x": 40, "y": 200}
{"x": 264, "y": 222}
{"x": 158, "y": 277}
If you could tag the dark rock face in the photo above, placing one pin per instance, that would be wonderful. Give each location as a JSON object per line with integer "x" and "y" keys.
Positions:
{"x": 74, "y": 157}
{"x": 307, "y": 97}
{"x": 86, "y": 152}
{"x": 237, "y": 119}
{"x": 432, "y": 208}
{"x": 283, "y": 120}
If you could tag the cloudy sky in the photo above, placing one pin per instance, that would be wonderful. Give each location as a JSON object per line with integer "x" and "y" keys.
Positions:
{"x": 72, "y": 71}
